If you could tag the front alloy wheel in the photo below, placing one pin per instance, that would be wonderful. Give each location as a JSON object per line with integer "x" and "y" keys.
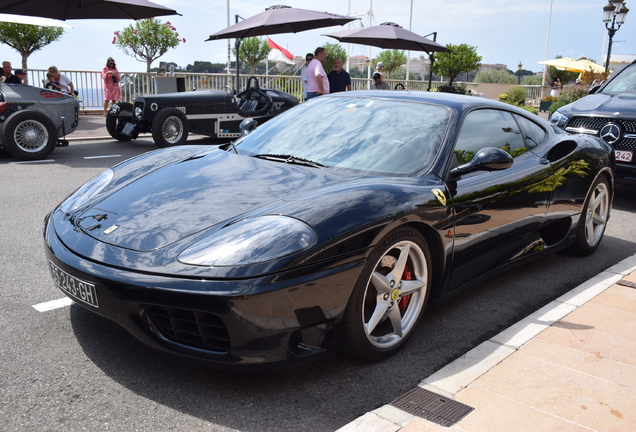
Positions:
{"x": 389, "y": 297}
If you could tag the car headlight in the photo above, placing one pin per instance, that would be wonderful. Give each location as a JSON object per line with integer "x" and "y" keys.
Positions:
{"x": 138, "y": 112}
{"x": 558, "y": 119}
{"x": 114, "y": 110}
{"x": 87, "y": 191}
{"x": 251, "y": 241}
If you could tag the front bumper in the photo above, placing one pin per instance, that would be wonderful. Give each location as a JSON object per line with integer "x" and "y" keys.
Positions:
{"x": 267, "y": 322}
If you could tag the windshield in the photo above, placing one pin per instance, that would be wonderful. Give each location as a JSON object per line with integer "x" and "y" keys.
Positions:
{"x": 625, "y": 82}
{"x": 377, "y": 136}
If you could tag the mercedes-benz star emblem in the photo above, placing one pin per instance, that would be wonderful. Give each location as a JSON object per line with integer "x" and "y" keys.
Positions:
{"x": 611, "y": 133}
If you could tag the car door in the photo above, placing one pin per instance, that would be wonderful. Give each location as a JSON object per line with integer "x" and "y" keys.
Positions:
{"x": 496, "y": 213}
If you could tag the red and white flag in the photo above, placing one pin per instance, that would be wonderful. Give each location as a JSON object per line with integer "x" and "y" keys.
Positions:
{"x": 278, "y": 53}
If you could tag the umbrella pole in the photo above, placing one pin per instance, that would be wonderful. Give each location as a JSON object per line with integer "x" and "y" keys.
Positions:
{"x": 238, "y": 71}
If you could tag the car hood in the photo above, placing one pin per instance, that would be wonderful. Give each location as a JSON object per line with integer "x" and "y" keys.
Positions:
{"x": 606, "y": 105}
{"x": 184, "y": 198}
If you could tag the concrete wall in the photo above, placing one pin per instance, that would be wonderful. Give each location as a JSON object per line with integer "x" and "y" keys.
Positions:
{"x": 492, "y": 91}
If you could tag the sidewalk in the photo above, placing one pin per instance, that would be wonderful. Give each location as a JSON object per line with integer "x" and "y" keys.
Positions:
{"x": 90, "y": 126}
{"x": 568, "y": 367}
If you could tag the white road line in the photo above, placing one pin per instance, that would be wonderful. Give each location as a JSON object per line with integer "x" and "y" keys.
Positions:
{"x": 54, "y": 304}
{"x": 101, "y": 157}
{"x": 31, "y": 162}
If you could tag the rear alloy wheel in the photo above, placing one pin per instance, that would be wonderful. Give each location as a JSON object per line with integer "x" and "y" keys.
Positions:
{"x": 593, "y": 219}
{"x": 389, "y": 297}
{"x": 29, "y": 135}
{"x": 115, "y": 123}
{"x": 170, "y": 128}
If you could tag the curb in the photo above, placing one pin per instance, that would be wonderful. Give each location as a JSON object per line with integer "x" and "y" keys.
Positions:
{"x": 461, "y": 372}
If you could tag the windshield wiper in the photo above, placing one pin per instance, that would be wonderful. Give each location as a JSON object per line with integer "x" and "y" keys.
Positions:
{"x": 291, "y": 159}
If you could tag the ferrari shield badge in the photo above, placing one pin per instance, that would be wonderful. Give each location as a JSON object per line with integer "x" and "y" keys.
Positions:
{"x": 440, "y": 196}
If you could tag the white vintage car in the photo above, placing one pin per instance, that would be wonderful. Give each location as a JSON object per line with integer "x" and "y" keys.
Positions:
{"x": 34, "y": 120}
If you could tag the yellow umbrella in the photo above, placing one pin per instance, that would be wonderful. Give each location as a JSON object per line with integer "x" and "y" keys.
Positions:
{"x": 596, "y": 68}
{"x": 565, "y": 63}
{"x": 571, "y": 65}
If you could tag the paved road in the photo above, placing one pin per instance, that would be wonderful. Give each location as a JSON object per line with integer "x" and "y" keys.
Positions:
{"x": 70, "y": 370}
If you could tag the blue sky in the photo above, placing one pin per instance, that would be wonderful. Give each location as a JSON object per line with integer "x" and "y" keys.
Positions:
{"x": 504, "y": 31}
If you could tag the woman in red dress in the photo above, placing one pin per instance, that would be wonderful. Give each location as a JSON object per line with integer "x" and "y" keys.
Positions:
{"x": 112, "y": 91}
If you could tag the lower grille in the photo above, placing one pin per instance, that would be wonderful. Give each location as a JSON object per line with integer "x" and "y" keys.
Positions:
{"x": 189, "y": 327}
{"x": 597, "y": 123}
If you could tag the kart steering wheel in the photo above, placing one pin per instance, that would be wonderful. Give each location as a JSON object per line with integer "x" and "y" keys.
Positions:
{"x": 253, "y": 101}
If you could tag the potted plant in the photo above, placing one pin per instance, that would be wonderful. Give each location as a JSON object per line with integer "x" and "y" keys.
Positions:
{"x": 546, "y": 102}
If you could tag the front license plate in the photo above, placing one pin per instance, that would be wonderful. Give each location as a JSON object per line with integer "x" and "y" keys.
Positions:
{"x": 623, "y": 155}
{"x": 78, "y": 289}
{"x": 128, "y": 128}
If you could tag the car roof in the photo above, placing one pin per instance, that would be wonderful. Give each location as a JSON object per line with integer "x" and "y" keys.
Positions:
{"x": 456, "y": 101}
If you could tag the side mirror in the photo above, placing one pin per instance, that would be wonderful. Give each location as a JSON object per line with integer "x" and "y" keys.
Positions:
{"x": 486, "y": 159}
{"x": 247, "y": 126}
{"x": 594, "y": 89}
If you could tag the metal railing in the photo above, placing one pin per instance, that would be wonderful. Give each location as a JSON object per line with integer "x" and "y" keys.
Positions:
{"x": 89, "y": 84}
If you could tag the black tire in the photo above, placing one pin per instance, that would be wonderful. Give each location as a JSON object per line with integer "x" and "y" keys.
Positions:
{"x": 170, "y": 128}
{"x": 114, "y": 123}
{"x": 593, "y": 220}
{"x": 29, "y": 135}
{"x": 385, "y": 307}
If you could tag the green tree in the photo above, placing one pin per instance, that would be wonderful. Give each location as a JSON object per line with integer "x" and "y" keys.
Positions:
{"x": 400, "y": 74}
{"x": 498, "y": 76}
{"x": 392, "y": 60}
{"x": 147, "y": 40}
{"x": 334, "y": 51}
{"x": 531, "y": 80}
{"x": 252, "y": 51}
{"x": 462, "y": 58}
{"x": 206, "y": 67}
{"x": 27, "y": 39}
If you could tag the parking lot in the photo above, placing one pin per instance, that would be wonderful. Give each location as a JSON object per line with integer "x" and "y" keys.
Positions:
{"x": 65, "y": 369}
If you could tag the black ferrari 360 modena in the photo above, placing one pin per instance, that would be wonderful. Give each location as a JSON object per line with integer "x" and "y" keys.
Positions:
{"x": 332, "y": 226}
{"x": 218, "y": 114}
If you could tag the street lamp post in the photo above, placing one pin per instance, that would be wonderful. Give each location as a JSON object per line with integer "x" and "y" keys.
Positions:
{"x": 519, "y": 73}
{"x": 614, "y": 12}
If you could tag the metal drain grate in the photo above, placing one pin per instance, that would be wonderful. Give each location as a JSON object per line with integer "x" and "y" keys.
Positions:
{"x": 626, "y": 283}
{"x": 432, "y": 407}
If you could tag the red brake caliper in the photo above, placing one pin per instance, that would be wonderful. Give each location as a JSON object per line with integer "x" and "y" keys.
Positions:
{"x": 404, "y": 301}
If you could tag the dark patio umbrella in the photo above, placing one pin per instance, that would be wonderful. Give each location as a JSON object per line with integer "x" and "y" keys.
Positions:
{"x": 278, "y": 19}
{"x": 281, "y": 19}
{"x": 388, "y": 36}
{"x": 85, "y": 9}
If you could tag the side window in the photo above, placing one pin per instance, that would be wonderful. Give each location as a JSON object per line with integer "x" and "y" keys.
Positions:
{"x": 488, "y": 128}
{"x": 534, "y": 133}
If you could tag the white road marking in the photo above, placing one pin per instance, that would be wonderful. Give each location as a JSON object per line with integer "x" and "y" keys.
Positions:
{"x": 101, "y": 157}
{"x": 35, "y": 161}
{"x": 53, "y": 304}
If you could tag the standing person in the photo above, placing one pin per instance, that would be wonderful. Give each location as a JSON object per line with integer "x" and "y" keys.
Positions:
{"x": 112, "y": 91}
{"x": 65, "y": 82}
{"x": 378, "y": 68}
{"x": 378, "y": 84}
{"x": 317, "y": 82}
{"x": 303, "y": 73}
{"x": 556, "y": 85}
{"x": 339, "y": 79}
{"x": 9, "y": 78}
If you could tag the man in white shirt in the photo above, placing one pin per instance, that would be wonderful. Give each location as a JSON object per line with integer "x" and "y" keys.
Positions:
{"x": 65, "y": 82}
{"x": 303, "y": 73}
{"x": 317, "y": 82}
